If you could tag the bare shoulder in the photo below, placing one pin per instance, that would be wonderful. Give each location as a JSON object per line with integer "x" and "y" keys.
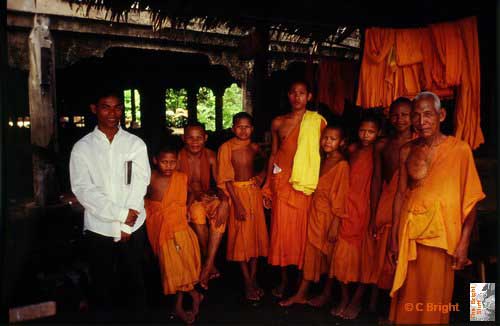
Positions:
{"x": 212, "y": 157}
{"x": 352, "y": 148}
{"x": 381, "y": 143}
{"x": 406, "y": 149}
{"x": 278, "y": 122}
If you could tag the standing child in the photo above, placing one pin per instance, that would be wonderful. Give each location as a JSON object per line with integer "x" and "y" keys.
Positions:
{"x": 247, "y": 232}
{"x": 204, "y": 202}
{"x": 348, "y": 249}
{"x": 327, "y": 208}
{"x": 292, "y": 177}
{"x": 171, "y": 238}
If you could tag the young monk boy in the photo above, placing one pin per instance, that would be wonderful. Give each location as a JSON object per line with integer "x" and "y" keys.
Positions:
{"x": 171, "y": 238}
{"x": 383, "y": 190}
{"x": 348, "y": 248}
{"x": 204, "y": 202}
{"x": 247, "y": 232}
{"x": 293, "y": 173}
{"x": 327, "y": 208}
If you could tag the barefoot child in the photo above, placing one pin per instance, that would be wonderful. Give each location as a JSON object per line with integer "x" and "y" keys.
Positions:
{"x": 247, "y": 232}
{"x": 204, "y": 202}
{"x": 327, "y": 208}
{"x": 292, "y": 177}
{"x": 171, "y": 238}
{"x": 348, "y": 248}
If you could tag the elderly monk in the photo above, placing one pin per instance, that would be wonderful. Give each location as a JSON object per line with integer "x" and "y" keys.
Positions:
{"x": 433, "y": 216}
{"x": 205, "y": 201}
{"x": 293, "y": 174}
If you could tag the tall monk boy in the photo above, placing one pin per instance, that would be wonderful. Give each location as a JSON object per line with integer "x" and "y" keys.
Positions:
{"x": 327, "y": 208}
{"x": 204, "y": 200}
{"x": 171, "y": 238}
{"x": 247, "y": 232}
{"x": 292, "y": 177}
{"x": 433, "y": 216}
{"x": 383, "y": 190}
{"x": 348, "y": 248}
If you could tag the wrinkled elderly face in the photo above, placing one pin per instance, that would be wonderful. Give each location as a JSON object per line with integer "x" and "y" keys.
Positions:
{"x": 425, "y": 118}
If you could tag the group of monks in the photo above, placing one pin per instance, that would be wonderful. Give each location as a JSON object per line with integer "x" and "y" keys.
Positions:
{"x": 392, "y": 213}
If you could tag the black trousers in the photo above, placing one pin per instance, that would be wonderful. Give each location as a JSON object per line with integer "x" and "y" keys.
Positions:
{"x": 116, "y": 272}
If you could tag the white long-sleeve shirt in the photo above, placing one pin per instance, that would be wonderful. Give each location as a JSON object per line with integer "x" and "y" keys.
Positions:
{"x": 98, "y": 171}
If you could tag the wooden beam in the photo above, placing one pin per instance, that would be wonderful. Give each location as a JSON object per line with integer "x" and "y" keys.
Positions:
{"x": 42, "y": 104}
{"x": 348, "y": 31}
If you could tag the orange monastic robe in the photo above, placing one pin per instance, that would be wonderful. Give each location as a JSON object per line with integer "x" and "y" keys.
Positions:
{"x": 245, "y": 239}
{"x": 200, "y": 210}
{"x": 327, "y": 207}
{"x": 382, "y": 273}
{"x": 353, "y": 228}
{"x": 431, "y": 222}
{"x": 172, "y": 240}
{"x": 290, "y": 208}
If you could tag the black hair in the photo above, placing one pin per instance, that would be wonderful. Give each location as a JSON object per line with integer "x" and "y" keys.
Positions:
{"x": 106, "y": 91}
{"x": 300, "y": 81}
{"x": 193, "y": 124}
{"x": 167, "y": 148}
{"x": 371, "y": 117}
{"x": 242, "y": 115}
{"x": 400, "y": 101}
{"x": 336, "y": 126}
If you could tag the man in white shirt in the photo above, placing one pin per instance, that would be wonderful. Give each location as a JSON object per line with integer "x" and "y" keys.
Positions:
{"x": 109, "y": 173}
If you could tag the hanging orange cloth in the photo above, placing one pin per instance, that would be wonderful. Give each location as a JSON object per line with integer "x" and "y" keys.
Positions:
{"x": 409, "y": 59}
{"x": 431, "y": 222}
{"x": 374, "y": 90}
{"x": 172, "y": 240}
{"x": 204, "y": 167}
{"x": 450, "y": 51}
{"x": 327, "y": 207}
{"x": 336, "y": 83}
{"x": 245, "y": 239}
{"x": 468, "y": 107}
{"x": 290, "y": 207}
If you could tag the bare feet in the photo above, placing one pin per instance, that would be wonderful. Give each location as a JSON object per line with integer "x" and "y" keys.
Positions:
{"x": 214, "y": 273}
{"x": 205, "y": 277}
{"x": 319, "y": 301}
{"x": 292, "y": 300}
{"x": 251, "y": 293}
{"x": 185, "y": 316}
{"x": 339, "y": 309}
{"x": 197, "y": 299}
{"x": 259, "y": 290}
{"x": 279, "y": 291}
{"x": 351, "y": 312}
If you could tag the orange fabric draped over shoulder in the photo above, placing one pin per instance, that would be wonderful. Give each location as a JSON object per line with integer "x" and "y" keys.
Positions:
{"x": 204, "y": 167}
{"x": 245, "y": 239}
{"x": 172, "y": 240}
{"x": 289, "y": 208}
{"x": 431, "y": 221}
{"x": 327, "y": 208}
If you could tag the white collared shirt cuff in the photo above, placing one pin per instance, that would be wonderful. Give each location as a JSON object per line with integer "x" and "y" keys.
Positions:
{"x": 126, "y": 228}
{"x": 123, "y": 215}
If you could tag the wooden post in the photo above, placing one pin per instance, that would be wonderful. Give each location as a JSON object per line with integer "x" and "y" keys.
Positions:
{"x": 42, "y": 89}
{"x": 247, "y": 88}
{"x": 153, "y": 119}
{"x": 192, "y": 103}
{"x": 219, "y": 103}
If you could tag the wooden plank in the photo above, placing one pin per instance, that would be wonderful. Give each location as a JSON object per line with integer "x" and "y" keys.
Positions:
{"x": 34, "y": 311}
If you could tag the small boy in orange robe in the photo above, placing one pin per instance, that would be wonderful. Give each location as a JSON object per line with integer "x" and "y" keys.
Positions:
{"x": 205, "y": 202}
{"x": 172, "y": 240}
{"x": 348, "y": 248}
{"x": 247, "y": 237}
{"x": 327, "y": 208}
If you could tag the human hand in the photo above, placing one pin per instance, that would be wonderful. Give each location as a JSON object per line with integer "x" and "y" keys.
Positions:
{"x": 124, "y": 237}
{"x": 131, "y": 217}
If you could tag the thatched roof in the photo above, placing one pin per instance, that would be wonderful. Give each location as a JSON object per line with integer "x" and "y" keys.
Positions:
{"x": 321, "y": 21}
